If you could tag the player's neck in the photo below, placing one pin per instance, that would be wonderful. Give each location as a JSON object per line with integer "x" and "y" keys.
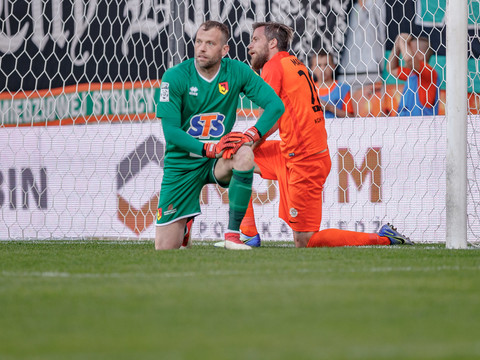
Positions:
{"x": 272, "y": 53}
{"x": 208, "y": 73}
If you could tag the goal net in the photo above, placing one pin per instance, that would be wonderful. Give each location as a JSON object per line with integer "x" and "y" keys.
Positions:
{"x": 81, "y": 152}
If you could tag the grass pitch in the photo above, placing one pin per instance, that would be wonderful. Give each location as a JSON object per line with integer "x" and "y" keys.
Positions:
{"x": 123, "y": 300}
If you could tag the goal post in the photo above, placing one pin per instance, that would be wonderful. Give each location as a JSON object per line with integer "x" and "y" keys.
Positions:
{"x": 456, "y": 112}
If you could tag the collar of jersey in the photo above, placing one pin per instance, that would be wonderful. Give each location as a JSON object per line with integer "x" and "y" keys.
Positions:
{"x": 204, "y": 78}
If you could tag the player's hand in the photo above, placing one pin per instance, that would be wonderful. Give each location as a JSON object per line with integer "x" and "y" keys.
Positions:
{"x": 228, "y": 154}
{"x": 231, "y": 142}
{"x": 251, "y": 136}
{"x": 235, "y": 141}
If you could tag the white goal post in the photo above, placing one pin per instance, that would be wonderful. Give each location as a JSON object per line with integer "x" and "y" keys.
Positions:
{"x": 456, "y": 111}
{"x": 81, "y": 153}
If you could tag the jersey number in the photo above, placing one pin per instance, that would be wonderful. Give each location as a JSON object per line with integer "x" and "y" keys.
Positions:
{"x": 314, "y": 98}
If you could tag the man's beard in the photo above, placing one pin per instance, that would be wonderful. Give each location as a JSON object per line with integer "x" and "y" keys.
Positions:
{"x": 259, "y": 61}
{"x": 209, "y": 63}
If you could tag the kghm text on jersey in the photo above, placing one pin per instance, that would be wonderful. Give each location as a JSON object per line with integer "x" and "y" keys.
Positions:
{"x": 296, "y": 62}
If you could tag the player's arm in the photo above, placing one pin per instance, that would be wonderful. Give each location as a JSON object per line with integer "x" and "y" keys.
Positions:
{"x": 271, "y": 131}
{"x": 175, "y": 135}
{"x": 168, "y": 110}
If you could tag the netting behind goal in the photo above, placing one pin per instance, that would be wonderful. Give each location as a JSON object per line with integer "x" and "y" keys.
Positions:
{"x": 81, "y": 153}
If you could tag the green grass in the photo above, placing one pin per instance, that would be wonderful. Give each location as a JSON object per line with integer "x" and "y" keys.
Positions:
{"x": 113, "y": 300}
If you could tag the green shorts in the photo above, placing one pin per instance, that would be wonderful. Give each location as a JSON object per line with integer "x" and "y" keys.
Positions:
{"x": 180, "y": 192}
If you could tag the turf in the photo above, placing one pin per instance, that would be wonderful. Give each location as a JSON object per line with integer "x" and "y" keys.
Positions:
{"x": 114, "y": 300}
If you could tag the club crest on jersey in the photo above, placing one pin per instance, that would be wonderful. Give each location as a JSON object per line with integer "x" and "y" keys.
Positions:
{"x": 205, "y": 126}
{"x": 159, "y": 213}
{"x": 223, "y": 87}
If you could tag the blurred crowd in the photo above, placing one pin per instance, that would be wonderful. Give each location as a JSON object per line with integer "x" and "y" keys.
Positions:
{"x": 364, "y": 79}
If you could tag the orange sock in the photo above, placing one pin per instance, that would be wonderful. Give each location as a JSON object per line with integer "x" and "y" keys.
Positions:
{"x": 337, "y": 237}
{"x": 248, "y": 226}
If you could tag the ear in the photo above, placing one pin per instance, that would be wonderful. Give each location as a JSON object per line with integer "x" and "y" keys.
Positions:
{"x": 225, "y": 50}
{"x": 272, "y": 44}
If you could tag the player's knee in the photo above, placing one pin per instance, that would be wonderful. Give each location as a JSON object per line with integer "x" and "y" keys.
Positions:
{"x": 160, "y": 244}
{"x": 164, "y": 244}
{"x": 167, "y": 240}
{"x": 243, "y": 159}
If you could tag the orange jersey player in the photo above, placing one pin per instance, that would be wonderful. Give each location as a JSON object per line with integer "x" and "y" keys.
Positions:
{"x": 300, "y": 161}
{"x": 302, "y": 126}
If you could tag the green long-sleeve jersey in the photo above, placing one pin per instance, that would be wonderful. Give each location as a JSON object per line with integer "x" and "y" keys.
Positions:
{"x": 195, "y": 110}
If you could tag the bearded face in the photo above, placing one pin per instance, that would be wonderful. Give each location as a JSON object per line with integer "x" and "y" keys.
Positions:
{"x": 258, "y": 49}
{"x": 259, "y": 58}
{"x": 210, "y": 48}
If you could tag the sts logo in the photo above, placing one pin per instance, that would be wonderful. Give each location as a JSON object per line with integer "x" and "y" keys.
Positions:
{"x": 205, "y": 126}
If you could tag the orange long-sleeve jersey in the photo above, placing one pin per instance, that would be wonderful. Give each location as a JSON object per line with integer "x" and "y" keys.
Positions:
{"x": 302, "y": 126}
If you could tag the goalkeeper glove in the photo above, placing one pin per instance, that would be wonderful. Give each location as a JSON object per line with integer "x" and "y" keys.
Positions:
{"x": 251, "y": 136}
{"x": 231, "y": 142}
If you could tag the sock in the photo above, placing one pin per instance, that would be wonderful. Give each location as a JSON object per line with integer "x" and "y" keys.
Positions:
{"x": 248, "y": 226}
{"x": 337, "y": 237}
{"x": 233, "y": 236}
{"x": 188, "y": 230}
{"x": 239, "y": 193}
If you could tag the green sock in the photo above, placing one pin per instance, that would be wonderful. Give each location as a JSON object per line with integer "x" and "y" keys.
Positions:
{"x": 239, "y": 193}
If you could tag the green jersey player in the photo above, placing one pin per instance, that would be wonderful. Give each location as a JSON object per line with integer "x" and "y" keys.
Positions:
{"x": 197, "y": 105}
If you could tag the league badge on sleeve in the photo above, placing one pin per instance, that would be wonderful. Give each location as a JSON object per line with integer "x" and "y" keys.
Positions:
{"x": 164, "y": 92}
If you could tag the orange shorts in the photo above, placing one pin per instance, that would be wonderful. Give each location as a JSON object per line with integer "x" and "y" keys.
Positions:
{"x": 300, "y": 183}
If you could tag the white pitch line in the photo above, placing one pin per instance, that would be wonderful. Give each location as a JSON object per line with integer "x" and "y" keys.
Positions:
{"x": 55, "y": 274}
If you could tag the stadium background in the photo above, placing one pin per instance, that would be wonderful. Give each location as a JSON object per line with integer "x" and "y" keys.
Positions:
{"x": 67, "y": 63}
